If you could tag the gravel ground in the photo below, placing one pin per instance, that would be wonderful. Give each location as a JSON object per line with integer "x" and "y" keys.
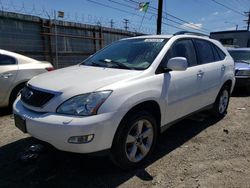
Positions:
{"x": 197, "y": 152}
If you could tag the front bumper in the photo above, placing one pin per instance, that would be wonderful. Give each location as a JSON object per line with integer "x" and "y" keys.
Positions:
{"x": 242, "y": 81}
{"x": 56, "y": 129}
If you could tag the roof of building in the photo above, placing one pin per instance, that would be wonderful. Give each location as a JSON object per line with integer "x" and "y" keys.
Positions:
{"x": 232, "y": 31}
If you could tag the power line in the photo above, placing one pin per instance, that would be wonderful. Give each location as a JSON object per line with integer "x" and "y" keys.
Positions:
{"x": 191, "y": 25}
{"x": 114, "y": 8}
{"x": 225, "y": 6}
{"x": 171, "y": 15}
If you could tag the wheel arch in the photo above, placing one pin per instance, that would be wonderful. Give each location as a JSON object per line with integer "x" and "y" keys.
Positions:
{"x": 14, "y": 88}
{"x": 150, "y": 106}
{"x": 229, "y": 83}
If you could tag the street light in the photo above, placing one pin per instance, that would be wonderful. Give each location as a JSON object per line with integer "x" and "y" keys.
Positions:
{"x": 236, "y": 25}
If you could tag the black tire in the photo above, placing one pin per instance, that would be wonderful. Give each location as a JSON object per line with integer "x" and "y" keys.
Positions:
{"x": 14, "y": 94}
{"x": 119, "y": 150}
{"x": 217, "y": 110}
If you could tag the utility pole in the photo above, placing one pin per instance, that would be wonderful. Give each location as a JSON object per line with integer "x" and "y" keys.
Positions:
{"x": 56, "y": 49}
{"x": 247, "y": 21}
{"x": 111, "y": 23}
{"x": 126, "y": 21}
{"x": 159, "y": 17}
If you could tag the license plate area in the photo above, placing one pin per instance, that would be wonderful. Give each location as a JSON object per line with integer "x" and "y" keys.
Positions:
{"x": 20, "y": 123}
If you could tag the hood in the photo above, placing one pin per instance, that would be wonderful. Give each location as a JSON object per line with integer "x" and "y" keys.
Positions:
{"x": 80, "y": 79}
{"x": 241, "y": 65}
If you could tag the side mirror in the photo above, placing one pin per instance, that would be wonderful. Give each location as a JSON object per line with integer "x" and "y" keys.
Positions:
{"x": 177, "y": 64}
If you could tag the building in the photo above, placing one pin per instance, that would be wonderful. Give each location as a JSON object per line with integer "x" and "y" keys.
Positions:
{"x": 237, "y": 38}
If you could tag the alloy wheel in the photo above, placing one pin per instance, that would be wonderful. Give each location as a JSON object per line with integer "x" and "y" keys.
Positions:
{"x": 139, "y": 140}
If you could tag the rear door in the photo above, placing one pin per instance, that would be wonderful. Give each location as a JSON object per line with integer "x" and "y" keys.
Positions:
{"x": 8, "y": 71}
{"x": 212, "y": 68}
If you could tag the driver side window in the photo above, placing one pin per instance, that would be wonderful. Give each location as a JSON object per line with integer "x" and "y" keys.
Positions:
{"x": 183, "y": 48}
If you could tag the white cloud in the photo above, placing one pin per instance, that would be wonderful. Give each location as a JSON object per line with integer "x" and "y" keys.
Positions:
{"x": 202, "y": 19}
{"x": 192, "y": 25}
{"x": 215, "y": 13}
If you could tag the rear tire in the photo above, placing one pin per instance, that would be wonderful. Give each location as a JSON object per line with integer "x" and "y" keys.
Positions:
{"x": 135, "y": 140}
{"x": 221, "y": 103}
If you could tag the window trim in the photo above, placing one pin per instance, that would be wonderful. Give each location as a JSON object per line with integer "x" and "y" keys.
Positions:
{"x": 9, "y": 57}
{"x": 219, "y": 50}
{"x": 210, "y": 44}
{"x": 159, "y": 71}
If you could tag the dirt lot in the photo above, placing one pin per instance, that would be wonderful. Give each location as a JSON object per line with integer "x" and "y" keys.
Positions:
{"x": 197, "y": 152}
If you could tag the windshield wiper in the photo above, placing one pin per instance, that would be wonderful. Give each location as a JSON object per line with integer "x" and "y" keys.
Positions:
{"x": 121, "y": 65}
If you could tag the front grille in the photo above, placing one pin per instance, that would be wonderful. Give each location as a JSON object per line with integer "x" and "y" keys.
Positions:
{"x": 34, "y": 97}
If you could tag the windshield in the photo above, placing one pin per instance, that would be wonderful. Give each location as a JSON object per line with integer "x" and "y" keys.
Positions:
{"x": 135, "y": 54}
{"x": 240, "y": 55}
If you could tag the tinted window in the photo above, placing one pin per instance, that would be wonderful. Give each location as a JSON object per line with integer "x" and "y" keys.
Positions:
{"x": 7, "y": 60}
{"x": 216, "y": 54}
{"x": 183, "y": 48}
{"x": 204, "y": 50}
{"x": 220, "y": 52}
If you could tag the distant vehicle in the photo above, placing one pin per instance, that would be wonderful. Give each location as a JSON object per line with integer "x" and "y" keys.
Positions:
{"x": 15, "y": 71}
{"x": 241, "y": 57}
{"x": 123, "y": 96}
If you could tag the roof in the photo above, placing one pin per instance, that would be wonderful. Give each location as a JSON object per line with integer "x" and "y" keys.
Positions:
{"x": 150, "y": 36}
{"x": 18, "y": 56}
{"x": 232, "y": 31}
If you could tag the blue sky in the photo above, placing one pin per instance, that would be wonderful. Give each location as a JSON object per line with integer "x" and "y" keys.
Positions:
{"x": 199, "y": 14}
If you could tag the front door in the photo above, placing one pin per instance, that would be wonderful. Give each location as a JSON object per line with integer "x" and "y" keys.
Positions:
{"x": 184, "y": 92}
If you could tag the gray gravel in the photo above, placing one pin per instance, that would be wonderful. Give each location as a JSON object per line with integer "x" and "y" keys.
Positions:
{"x": 197, "y": 152}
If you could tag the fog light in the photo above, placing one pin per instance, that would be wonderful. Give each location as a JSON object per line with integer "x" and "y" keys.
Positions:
{"x": 81, "y": 139}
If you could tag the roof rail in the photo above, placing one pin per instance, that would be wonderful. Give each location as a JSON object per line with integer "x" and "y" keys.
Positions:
{"x": 190, "y": 33}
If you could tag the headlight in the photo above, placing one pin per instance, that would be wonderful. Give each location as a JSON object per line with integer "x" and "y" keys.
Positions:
{"x": 84, "y": 105}
{"x": 243, "y": 73}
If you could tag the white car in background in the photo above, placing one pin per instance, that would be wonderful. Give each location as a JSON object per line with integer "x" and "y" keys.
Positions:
{"x": 15, "y": 71}
{"x": 123, "y": 96}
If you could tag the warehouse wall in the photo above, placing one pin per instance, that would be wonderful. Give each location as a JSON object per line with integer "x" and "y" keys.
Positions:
{"x": 36, "y": 37}
{"x": 240, "y": 38}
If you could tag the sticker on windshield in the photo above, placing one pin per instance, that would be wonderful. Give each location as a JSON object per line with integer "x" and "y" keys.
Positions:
{"x": 153, "y": 40}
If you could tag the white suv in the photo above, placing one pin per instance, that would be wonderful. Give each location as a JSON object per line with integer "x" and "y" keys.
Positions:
{"x": 123, "y": 96}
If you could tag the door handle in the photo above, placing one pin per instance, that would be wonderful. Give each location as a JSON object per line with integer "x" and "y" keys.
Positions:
{"x": 200, "y": 73}
{"x": 223, "y": 68}
{"x": 6, "y": 75}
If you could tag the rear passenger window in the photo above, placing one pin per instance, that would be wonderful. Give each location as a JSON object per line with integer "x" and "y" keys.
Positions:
{"x": 204, "y": 51}
{"x": 221, "y": 53}
{"x": 7, "y": 60}
{"x": 183, "y": 48}
{"x": 216, "y": 54}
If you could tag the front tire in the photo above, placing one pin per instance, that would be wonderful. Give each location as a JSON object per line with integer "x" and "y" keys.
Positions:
{"x": 222, "y": 102}
{"x": 135, "y": 140}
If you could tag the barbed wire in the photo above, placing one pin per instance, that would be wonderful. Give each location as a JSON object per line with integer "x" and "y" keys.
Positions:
{"x": 71, "y": 17}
